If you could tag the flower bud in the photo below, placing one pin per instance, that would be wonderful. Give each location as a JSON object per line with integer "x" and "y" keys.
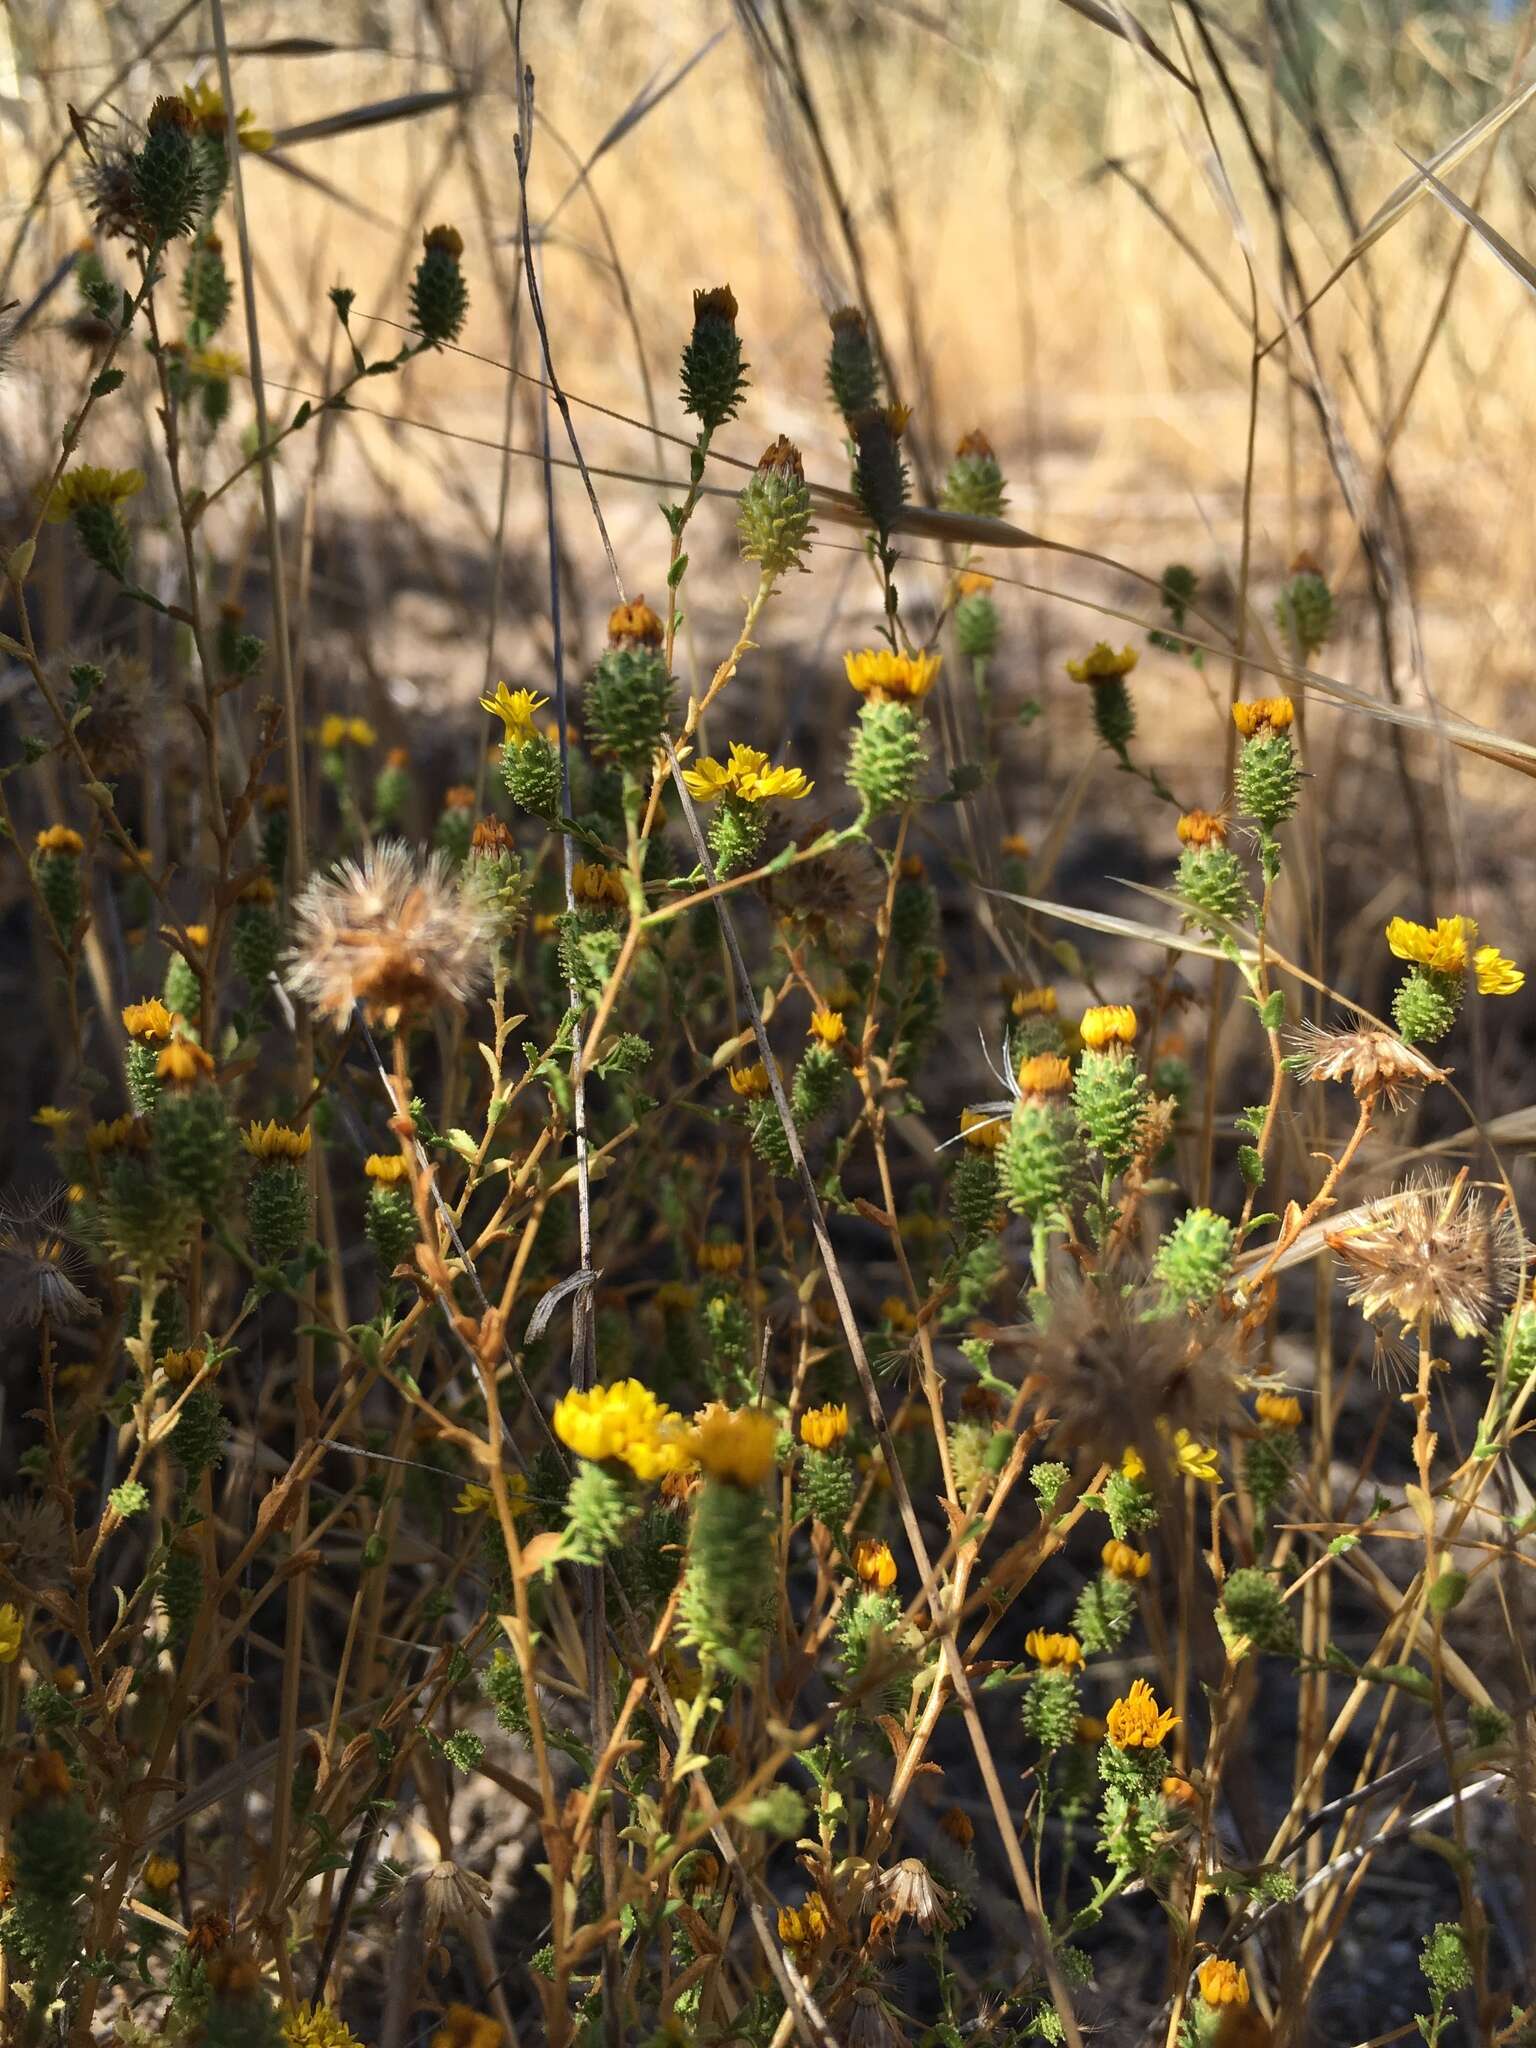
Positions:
{"x": 439, "y": 295}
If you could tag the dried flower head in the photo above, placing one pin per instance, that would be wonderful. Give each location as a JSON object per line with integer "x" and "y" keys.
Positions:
{"x": 908, "y": 1891}
{"x": 1378, "y": 1065}
{"x": 389, "y": 933}
{"x": 1435, "y": 1251}
{"x": 451, "y": 1897}
{"x": 1202, "y": 828}
{"x": 41, "y": 1268}
{"x": 634, "y": 623}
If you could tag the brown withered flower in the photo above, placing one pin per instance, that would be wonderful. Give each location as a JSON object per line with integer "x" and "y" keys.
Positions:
{"x": 1436, "y": 1251}
{"x": 1378, "y": 1065}
{"x": 390, "y": 933}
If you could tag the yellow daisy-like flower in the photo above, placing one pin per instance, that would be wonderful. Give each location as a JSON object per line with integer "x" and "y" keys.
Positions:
{"x": 983, "y": 1130}
{"x": 1101, "y": 664}
{"x": 1194, "y": 1459}
{"x": 750, "y": 1082}
{"x": 1124, "y": 1561}
{"x": 160, "y": 1873}
{"x": 473, "y": 1498}
{"x": 90, "y": 485}
{"x": 803, "y": 1926}
{"x": 515, "y": 709}
{"x": 1496, "y": 976}
{"x": 1444, "y": 950}
{"x": 828, "y": 1027}
{"x": 388, "y": 1169}
{"x": 1222, "y": 1982}
{"x": 594, "y": 884}
{"x": 218, "y": 365}
{"x": 52, "y": 1118}
{"x": 121, "y": 1133}
{"x": 746, "y": 774}
{"x": 182, "y": 1063}
{"x": 182, "y": 1365}
{"x": 721, "y": 1256}
{"x": 974, "y": 582}
{"x": 874, "y": 1563}
{"x": 737, "y": 1445}
{"x": 316, "y": 2026}
{"x": 10, "y": 1633}
{"x": 707, "y": 779}
{"x": 1263, "y": 715}
{"x": 892, "y": 678}
{"x": 336, "y": 731}
{"x": 1034, "y": 1002}
{"x": 60, "y": 839}
{"x": 151, "y": 1020}
{"x": 1137, "y": 1721}
{"x": 823, "y": 1427}
{"x": 779, "y": 785}
{"x": 1108, "y": 1024}
{"x": 273, "y": 1140}
{"x": 205, "y": 102}
{"x": 626, "y": 1422}
{"x": 1280, "y": 1411}
{"x": 1044, "y": 1073}
{"x": 1053, "y": 1650}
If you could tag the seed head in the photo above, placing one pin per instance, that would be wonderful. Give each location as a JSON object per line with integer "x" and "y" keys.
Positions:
{"x": 390, "y": 933}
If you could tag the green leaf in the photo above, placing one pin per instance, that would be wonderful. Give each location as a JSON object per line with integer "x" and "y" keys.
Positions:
{"x": 1251, "y": 1165}
{"x": 1272, "y": 1010}
{"x": 677, "y": 572}
{"x": 107, "y": 383}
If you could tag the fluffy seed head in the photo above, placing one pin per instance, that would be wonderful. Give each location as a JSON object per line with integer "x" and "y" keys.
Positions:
{"x": 388, "y": 932}
{"x": 1436, "y": 1251}
{"x": 1377, "y": 1064}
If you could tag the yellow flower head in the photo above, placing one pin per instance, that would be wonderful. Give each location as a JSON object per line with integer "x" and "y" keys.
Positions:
{"x": 1222, "y": 1983}
{"x": 336, "y": 731}
{"x": 182, "y": 1365}
{"x": 736, "y": 1445}
{"x": 983, "y": 1130}
{"x": 973, "y": 582}
{"x": 182, "y": 1063}
{"x": 1264, "y": 716}
{"x": 1495, "y": 975}
{"x": 892, "y": 678}
{"x": 10, "y": 1633}
{"x": 1124, "y": 1561}
{"x": 1054, "y": 1651}
{"x": 1108, "y": 1024}
{"x": 121, "y": 1134}
{"x": 897, "y": 1315}
{"x": 1101, "y": 664}
{"x": 160, "y": 1873}
{"x": 1202, "y": 828}
{"x": 218, "y": 365}
{"x": 515, "y": 709}
{"x": 594, "y": 884}
{"x": 1034, "y": 1002}
{"x": 52, "y": 1118}
{"x": 874, "y": 1563}
{"x": 1445, "y": 950}
{"x": 707, "y": 779}
{"x": 1280, "y": 1411}
{"x": 151, "y": 1020}
{"x": 720, "y": 1256}
{"x": 60, "y": 839}
{"x": 89, "y": 485}
{"x": 828, "y": 1027}
{"x": 746, "y": 775}
{"x": 473, "y": 1498}
{"x": 625, "y": 1422}
{"x": 750, "y": 1082}
{"x": 1194, "y": 1459}
{"x": 276, "y": 1141}
{"x": 823, "y": 1427}
{"x": 1016, "y": 846}
{"x": 206, "y": 104}
{"x": 1044, "y": 1073}
{"x": 387, "y": 1169}
{"x": 1137, "y": 1721}
{"x": 635, "y": 624}
{"x": 803, "y": 1926}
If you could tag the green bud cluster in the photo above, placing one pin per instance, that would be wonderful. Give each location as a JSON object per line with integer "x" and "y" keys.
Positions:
{"x": 1511, "y": 1352}
{"x": 439, "y": 294}
{"x": 202, "y": 1430}
{"x": 973, "y": 1193}
{"x": 1213, "y": 882}
{"x": 1444, "y": 1960}
{"x": 1050, "y": 1709}
{"x": 970, "y": 1455}
{"x": 1047, "y": 1477}
{"x": 1193, "y": 1260}
{"x": 1130, "y": 1504}
{"x": 887, "y": 755}
{"x": 531, "y": 771}
{"x": 852, "y": 375}
{"x": 502, "y": 1684}
{"x": 206, "y": 291}
{"x": 826, "y": 1490}
{"x": 1035, "y": 1164}
{"x": 978, "y": 626}
{"x": 770, "y": 1140}
{"x": 1105, "y": 1609}
{"x": 391, "y": 794}
{"x": 713, "y": 371}
{"x": 51, "y": 1848}
{"x": 728, "y": 1584}
{"x": 820, "y": 1079}
{"x": 1109, "y": 1095}
{"x": 736, "y": 833}
{"x": 1427, "y": 1004}
{"x": 390, "y": 1223}
{"x": 57, "y": 875}
{"x": 168, "y": 172}
{"x": 1304, "y": 613}
{"x": 194, "y": 1144}
{"x": 1252, "y": 1606}
{"x": 914, "y": 912}
{"x": 1114, "y": 712}
{"x": 773, "y": 514}
{"x": 628, "y": 704}
{"x": 974, "y": 482}
{"x": 181, "y": 1591}
{"x": 277, "y": 1209}
{"x": 103, "y": 534}
{"x": 877, "y": 1652}
{"x": 1268, "y": 782}
{"x": 598, "y": 1509}
{"x": 142, "y": 1219}
{"x": 879, "y": 474}
{"x": 256, "y": 944}
{"x": 497, "y": 884}
{"x": 590, "y": 943}
{"x": 181, "y": 992}
{"x": 453, "y": 832}
{"x": 1269, "y": 1465}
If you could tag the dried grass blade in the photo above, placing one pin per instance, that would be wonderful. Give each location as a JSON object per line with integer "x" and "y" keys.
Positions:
{"x": 407, "y": 107}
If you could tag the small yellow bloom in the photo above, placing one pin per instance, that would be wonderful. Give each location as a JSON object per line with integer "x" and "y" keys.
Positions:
{"x": 721, "y": 1256}
{"x": 1053, "y": 1650}
{"x": 1280, "y": 1411}
{"x": 336, "y": 731}
{"x": 52, "y": 1118}
{"x": 181, "y": 1365}
{"x": 1124, "y": 1561}
{"x": 388, "y": 1169}
{"x": 1137, "y": 1721}
{"x": 1203, "y": 828}
{"x": 1108, "y": 1024}
{"x": 828, "y": 1027}
{"x": 1044, "y": 1073}
{"x": 160, "y": 1873}
{"x": 736, "y": 1445}
{"x": 473, "y": 1498}
{"x": 750, "y": 1082}
{"x": 1101, "y": 664}
{"x": 707, "y": 779}
{"x": 1196, "y": 1460}
{"x": 874, "y": 1563}
{"x": 10, "y": 1633}
{"x": 1016, "y": 846}
{"x": 89, "y": 485}
{"x": 1496, "y": 976}
{"x": 123, "y": 1133}
{"x": 624, "y": 1421}
{"x": 594, "y": 884}
{"x": 1034, "y": 1002}
{"x": 746, "y": 775}
{"x": 1445, "y": 950}
{"x": 983, "y": 1130}
{"x": 182, "y": 1063}
{"x": 892, "y": 678}
{"x": 60, "y": 839}
{"x": 273, "y": 1140}
{"x": 973, "y": 582}
{"x": 151, "y": 1020}
{"x": 823, "y": 1427}
{"x": 515, "y": 709}
{"x": 205, "y": 102}
{"x": 897, "y": 1315}
{"x": 1222, "y": 1983}
{"x": 1265, "y": 715}
{"x": 803, "y": 1926}
{"x": 218, "y": 365}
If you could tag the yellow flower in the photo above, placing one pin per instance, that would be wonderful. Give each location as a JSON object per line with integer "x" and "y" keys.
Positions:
{"x": 1280, "y": 1411}
{"x": 781, "y": 785}
{"x": 1202, "y": 828}
{"x": 746, "y": 775}
{"x": 721, "y": 1256}
{"x": 60, "y": 839}
{"x": 896, "y": 1314}
{"x": 1124, "y": 1561}
{"x": 750, "y": 1082}
{"x": 1195, "y": 1460}
{"x": 182, "y": 1062}
{"x": 122, "y": 1133}
{"x": 387, "y": 1168}
{"x": 206, "y": 105}
{"x": 707, "y": 779}
{"x": 1137, "y": 1721}
{"x": 803, "y": 1926}
{"x": 626, "y": 1422}
{"x": 1016, "y": 846}
{"x": 892, "y": 678}
{"x": 181, "y": 1365}
{"x": 10, "y": 1633}
{"x": 828, "y": 1027}
{"x": 737, "y": 1445}
{"x": 89, "y": 485}
{"x": 160, "y": 1873}
{"x": 1445, "y": 950}
{"x": 1222, "y": 1983}
{"x": 1034, "y": 1002}
{"x": 1263, "y": 716}
{"x": 1044, "y": 1073}
{"x": 1053, "y": 1650}
{"x": 336, "y": 731}
{"x": 823, "y": 1427}
{"x": 316, "y": 2026}
{"x": 594, "y": 884}
{"x": 1108, "y": 1024}
{"x": 1101, "y": 664}
{"x": 52, "y": 1118}
{"x": 874, "y": 1563}
{"x": 273, "y": 1140}
{"x": 983, "y": 1130}
{"x": 1496, "y": 976}
{"x": 147, "y": 1020}
{"x": 973, "y": 582}
{"x": 218, "y": 365}
{"x": 515, "y": 709}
